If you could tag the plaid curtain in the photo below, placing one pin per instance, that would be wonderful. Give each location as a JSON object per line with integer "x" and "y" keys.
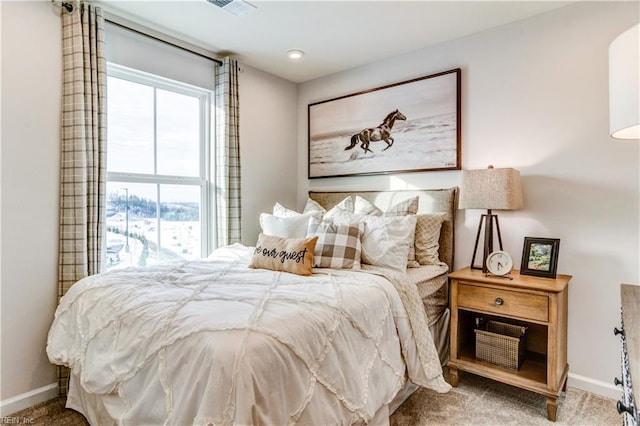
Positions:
{"x": 83, "y": 149}
{"x": 228, "y": 202}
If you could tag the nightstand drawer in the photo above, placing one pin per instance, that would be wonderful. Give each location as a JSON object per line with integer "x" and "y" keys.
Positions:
{"x": 504, "y": 302}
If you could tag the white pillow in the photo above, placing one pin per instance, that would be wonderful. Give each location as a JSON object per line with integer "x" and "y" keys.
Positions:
{"x": 281, "y": 211}
{"x": 314, "y": 207}
{"x": 285, "y": 227}
{"x": 364, "y": 206}
{"x": 386, "y": 241}
{"x": 403, "y": 208}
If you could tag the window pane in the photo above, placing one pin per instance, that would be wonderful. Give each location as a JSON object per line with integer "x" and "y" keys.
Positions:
{"x": 130, "y": 124}
{"x": 180, "y": 236}
{"x": 155, "y": 128}
{"x": 131, "y": 225}
{"x": 178, "y": 134}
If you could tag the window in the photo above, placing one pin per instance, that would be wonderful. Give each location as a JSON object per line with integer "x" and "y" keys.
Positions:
{"x": 158, "y": 170}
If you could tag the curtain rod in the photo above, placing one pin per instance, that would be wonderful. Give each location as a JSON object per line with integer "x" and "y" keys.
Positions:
{"x": 69, "y": 8}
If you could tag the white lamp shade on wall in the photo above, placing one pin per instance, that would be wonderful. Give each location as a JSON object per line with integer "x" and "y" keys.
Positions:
{"x": 624, "y": 79}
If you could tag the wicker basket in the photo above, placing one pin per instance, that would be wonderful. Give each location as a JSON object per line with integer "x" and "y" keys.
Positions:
{"x": 502, "y": 344}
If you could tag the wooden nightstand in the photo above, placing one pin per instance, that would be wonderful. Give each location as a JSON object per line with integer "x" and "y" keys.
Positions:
{"x": 538, "y": 303}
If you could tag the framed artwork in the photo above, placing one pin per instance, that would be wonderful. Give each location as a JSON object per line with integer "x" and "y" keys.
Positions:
{"x": 540, "y": 257}
{"x": 409, "y": 126}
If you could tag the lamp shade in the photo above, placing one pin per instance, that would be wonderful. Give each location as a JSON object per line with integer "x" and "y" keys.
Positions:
{"x": 624, "y": 78}
{"x": 491, "y": 189}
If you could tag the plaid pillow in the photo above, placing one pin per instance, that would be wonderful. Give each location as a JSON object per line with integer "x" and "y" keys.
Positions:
{"x": 338, "y": 246}
{"x": 403, "y": 208}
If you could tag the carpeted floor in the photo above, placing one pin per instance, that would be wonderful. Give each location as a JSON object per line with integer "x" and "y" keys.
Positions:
{"x": 479, "y": 401}
{"x": 476, "y": 401}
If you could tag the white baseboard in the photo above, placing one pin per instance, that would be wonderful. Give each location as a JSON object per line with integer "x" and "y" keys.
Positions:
{"x": 28, "y": 399}
{"x": 608, "y": 390}
{"x": 45, "y": 393}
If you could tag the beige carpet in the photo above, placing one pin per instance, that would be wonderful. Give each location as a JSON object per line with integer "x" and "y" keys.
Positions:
{"x": 476, "y": 401}
{"x": 480, "y": 401}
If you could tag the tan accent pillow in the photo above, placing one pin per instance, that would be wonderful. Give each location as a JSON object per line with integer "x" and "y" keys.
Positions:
{"x": 427, "y": 241}
{"x": 294, "y": 255}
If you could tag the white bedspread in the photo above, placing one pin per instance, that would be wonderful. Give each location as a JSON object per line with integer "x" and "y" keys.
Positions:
{"x": 213, "y": 342}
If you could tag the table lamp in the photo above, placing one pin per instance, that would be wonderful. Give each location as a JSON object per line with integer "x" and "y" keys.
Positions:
{"x": 491, "y": 189}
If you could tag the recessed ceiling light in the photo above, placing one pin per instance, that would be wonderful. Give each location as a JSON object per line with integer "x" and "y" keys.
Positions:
{"x": 295, "y": 54}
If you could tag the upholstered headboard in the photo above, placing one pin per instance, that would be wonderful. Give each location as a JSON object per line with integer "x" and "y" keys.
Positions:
{"x": 431, "y": 201}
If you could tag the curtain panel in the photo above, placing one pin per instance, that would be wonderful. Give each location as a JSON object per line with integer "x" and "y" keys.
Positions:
{"x": 83, "y": 149}
{"x": 227, "y": 167}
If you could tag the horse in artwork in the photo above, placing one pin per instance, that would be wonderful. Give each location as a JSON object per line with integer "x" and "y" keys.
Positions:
{"x": 376, "y": 134}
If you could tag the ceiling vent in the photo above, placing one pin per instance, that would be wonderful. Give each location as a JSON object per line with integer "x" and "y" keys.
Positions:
{"x": 236, "y": 7}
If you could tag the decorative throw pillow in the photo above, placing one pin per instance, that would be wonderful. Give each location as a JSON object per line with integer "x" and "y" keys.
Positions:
{"x": 281, "y": 211}
{"x": 364, "y": 206}
{"x": 285, "y": 227}
{"x": 294, "y": 255}
{"x": 428, "y": 238}
{"x": 403, "y": 208}
{"x": 338, "y": 246}
{"x": 386, "y": 240}
{"x": 314, "y": 207}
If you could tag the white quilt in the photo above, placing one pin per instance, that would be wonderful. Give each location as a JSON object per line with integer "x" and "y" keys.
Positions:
{"x": 214, "y": 342}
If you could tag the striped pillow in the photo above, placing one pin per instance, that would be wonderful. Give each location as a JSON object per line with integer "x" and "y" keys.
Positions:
{"x": 338, "y": 246}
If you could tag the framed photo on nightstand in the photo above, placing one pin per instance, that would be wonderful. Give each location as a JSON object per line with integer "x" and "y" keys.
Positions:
{"x": 540, "y": 257}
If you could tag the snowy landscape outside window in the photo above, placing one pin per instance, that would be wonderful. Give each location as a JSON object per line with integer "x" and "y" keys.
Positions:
{"x": 158, "y": 203}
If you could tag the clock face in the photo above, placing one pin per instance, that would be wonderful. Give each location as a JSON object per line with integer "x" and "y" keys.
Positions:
{"x": 499, "y": 263}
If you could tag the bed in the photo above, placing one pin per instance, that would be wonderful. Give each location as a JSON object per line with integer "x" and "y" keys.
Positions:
{"x": 216, "y": 342}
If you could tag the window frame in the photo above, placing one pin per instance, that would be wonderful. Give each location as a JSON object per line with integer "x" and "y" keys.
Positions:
{"x": 207, "y": 175}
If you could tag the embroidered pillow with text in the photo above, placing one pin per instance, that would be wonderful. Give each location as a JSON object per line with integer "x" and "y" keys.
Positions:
{"x": 294, "y": 255}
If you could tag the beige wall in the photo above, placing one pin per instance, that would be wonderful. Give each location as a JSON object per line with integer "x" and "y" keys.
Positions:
{"x": 31, "y": 81}
{"x": 31, "y": 71}
{"x": 267, "y": 145}
{"x": 535, "y": 97}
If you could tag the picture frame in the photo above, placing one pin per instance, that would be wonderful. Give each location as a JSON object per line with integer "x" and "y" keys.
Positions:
{"x": 540, "y": 257}
{"x": 410, "y": 126}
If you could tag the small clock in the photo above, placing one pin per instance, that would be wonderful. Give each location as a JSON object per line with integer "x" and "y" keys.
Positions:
{"x": 499, "y": 263}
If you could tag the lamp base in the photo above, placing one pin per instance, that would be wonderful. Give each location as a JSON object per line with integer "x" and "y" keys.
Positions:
{"x": 488, "y": 221}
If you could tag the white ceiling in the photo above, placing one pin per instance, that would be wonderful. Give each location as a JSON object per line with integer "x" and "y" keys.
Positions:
{"x": 335, "y": 35}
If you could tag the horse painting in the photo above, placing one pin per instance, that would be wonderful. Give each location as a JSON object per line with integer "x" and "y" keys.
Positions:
{"x": 380, "y": 133}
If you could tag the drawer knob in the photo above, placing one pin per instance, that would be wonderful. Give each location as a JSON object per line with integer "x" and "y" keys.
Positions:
{"x": 623, "y": 408}
{"x": 617, "y": 331}
{"x": 499, "y": 301}
{"x": 617, "y": 381}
